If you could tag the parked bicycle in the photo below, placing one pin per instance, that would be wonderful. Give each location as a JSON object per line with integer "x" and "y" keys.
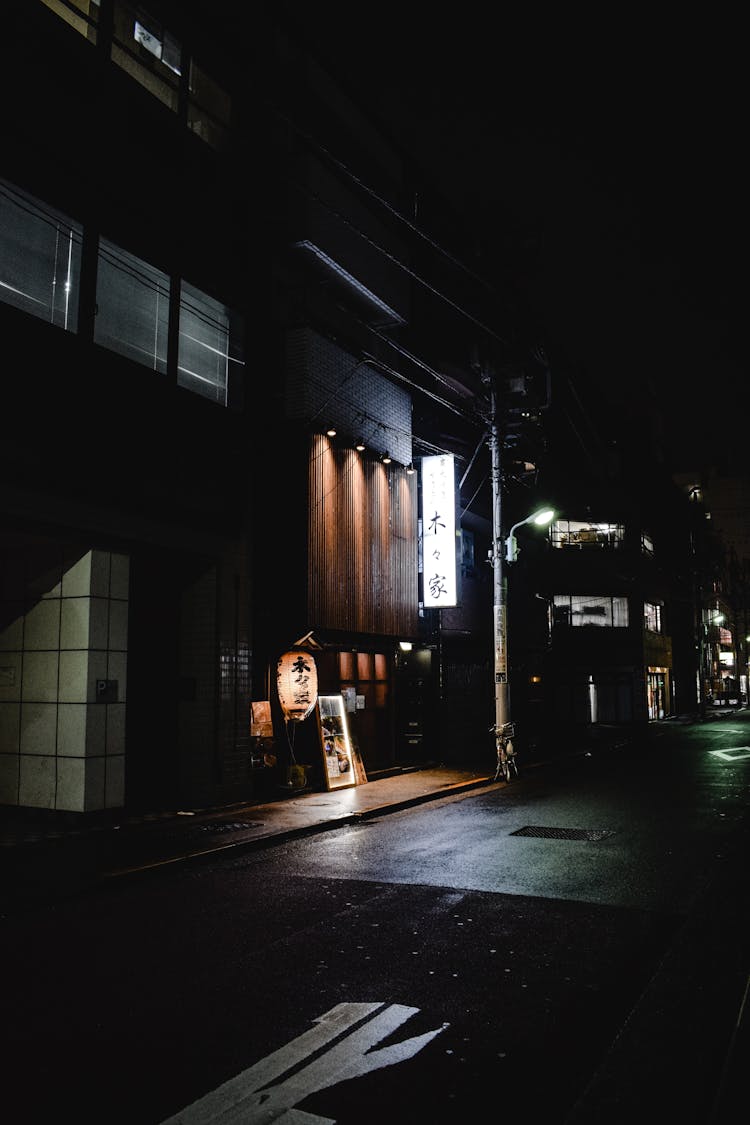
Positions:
{"x": 507, "y": 765}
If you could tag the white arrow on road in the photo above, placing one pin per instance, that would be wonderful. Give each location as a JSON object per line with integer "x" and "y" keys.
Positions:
{"x": 251, "y": 1098}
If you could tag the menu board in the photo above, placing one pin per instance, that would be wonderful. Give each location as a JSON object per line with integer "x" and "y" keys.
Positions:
{"x": 338, "y": 757}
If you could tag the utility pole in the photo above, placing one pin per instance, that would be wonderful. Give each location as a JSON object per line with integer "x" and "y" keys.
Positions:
{"x": 500, "y": 584}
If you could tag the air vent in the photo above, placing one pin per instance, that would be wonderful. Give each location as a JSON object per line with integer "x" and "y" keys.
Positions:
{"x": 592, "y": 834}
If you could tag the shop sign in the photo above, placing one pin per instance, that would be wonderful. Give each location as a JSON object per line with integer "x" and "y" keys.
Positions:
{"x": 297, "y": 684}
{"x": 439, "y": 531}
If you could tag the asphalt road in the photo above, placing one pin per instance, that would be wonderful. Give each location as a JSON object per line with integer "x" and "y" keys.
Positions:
{"x": 572, "y": 948}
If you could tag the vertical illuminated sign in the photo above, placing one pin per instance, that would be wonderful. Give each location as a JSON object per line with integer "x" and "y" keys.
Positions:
{"x": 439, "y": 531}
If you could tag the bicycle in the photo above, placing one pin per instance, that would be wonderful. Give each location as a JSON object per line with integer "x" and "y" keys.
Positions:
{"x": 507, "y": 766}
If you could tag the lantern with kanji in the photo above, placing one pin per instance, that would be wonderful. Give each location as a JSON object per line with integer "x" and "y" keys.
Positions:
{"x": 297, "y": 684}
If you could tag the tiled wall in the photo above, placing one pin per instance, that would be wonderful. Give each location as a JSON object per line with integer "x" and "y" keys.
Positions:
{"x": 329, "y": 385}
{"x": 63, "y": 681}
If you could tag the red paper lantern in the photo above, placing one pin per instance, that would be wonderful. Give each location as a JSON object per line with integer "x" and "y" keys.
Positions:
{"x": 297, "y": 684}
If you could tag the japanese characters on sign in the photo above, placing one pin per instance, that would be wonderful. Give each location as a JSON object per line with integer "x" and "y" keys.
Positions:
{"x": 439, "y": 531}
{"x": 297, "y": 684}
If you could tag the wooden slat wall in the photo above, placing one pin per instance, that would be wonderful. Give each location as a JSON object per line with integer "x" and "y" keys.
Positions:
{"x": 362, "y": 543}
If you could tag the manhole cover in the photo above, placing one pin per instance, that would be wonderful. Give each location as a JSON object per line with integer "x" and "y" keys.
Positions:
{"x": 594, "y": 834}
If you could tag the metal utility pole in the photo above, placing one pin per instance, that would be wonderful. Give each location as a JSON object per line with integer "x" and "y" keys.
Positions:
{"x": 500, "y": 585}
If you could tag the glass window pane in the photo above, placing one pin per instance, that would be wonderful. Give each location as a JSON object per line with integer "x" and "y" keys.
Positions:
{"x": 209, "y": 108}
{"x": 82, "y": 15}
{"x": 210, "y": 352}
{"x": 620, "y": 616}
{"x": 132, "y": 314}
{"x": 147, "y": 53}
{"x": 40, "y": 258}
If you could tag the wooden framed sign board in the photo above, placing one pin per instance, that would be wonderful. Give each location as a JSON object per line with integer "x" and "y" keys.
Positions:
{"x": 341, "y": 765}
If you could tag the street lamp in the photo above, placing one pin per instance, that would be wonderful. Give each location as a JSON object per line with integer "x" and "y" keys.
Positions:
{"x": 541, "y": 518}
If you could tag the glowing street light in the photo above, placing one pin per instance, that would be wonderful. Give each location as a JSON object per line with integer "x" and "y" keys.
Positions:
{"x": 540, "y": 518}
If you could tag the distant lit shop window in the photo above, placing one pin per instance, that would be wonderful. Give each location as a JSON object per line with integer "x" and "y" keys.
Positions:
{"x": 725, "y": 636}
{"x": 40, "y": 256}
{"x": 132, "y": 307}
{"x": 210, "y": 358}
{"x": 590, "y": 609}
{"x": 208, "y": 109}
{"x": 147, "y": 52}
{"x": 81, "y": 15}
{"x": 652, "y": 617}
{"x": 581, "y": 534}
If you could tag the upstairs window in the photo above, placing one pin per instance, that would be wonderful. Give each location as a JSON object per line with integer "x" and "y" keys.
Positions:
{"x": 647, "y": 544}
{"x": 582, "y": 534}
{"x": 210, "y": 357}
{"x": 155, "y": 58}
{"x": 40, "y": 258}
{"x": 590, "y": 609}
{"x": 81, "y": 15}
{"x": 147, "y": 52}
{"x": 208, "y": 108}
{"x": 132, "y": 307}
{"x": 652, "y": 617}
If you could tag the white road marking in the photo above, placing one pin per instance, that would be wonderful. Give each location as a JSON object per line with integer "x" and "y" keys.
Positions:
{"x": 251, "y": 1098}
{"x": 732, "y": 754}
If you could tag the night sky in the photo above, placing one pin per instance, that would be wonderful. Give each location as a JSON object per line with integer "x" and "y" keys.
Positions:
{"x": 603, "y": 160}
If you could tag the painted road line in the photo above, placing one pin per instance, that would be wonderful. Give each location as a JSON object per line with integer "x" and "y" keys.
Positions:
{"x": 732, "y": 754}
{"x": 251, "y": 1098}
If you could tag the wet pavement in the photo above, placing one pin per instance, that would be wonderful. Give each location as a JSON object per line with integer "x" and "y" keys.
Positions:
{"x": 45, "y": 857}
{"x": 48, "y": 855}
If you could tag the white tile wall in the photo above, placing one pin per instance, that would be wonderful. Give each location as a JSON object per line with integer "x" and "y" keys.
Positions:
{"x": 74, "y": 669}
{"x": 94, "y": 791}
{"x": 71, "y": 781}
{"x": 40, "y": 677}
{"x": 81, "y": 730}
{"x": 76, "y": 580}
{"x": 59, "y": 747}
{"x": 42, "y": 626}
{"x": 9, "y": 764}
{"x": 115, "y": 729}
{"x": 11, "y": 637}
{"x": 71, "y": 729}
{"x": 98, "y": 623}
{"x": 101, "y": 562}
{"x": 38, "y": 728}
{"x": 37, "y": 781}
{"x": 74, "y": 622}
{"x": 10, "y": 727}
{"x": 11, "y": 669}
{"x": 117, "y": 669}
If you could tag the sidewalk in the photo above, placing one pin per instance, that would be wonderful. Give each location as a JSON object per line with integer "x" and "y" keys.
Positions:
{"x": 41, "y": 851}
{"x": 121, "y": 842}
{"x": 43, "y": 857}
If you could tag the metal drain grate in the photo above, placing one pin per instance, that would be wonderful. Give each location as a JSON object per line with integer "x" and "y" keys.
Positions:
{"x": 231, "y": 826}
{"x": 593, "y": 834}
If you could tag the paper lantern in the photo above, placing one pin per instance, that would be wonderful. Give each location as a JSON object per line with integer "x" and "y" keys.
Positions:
{"x": 297, "y": 684}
